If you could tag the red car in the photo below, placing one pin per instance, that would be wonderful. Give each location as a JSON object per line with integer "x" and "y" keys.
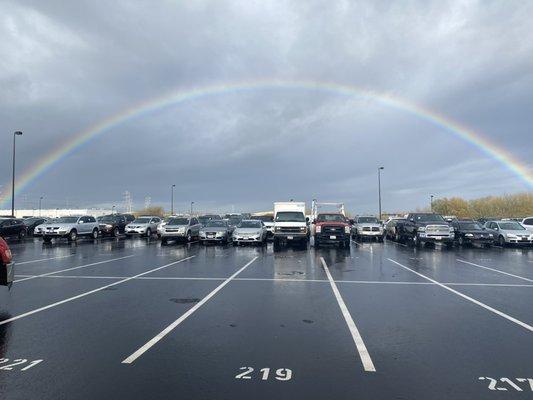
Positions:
{"x": 332, "y": 228}
{"x": 7, "y": 266}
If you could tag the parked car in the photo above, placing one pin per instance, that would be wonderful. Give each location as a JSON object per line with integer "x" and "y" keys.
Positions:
{"x": 7, "y": 266}
{"x": 509, "y": 232}
{"x": 204, "y": 219}
{"x": 143, "y": 226}
{"x": 332, "y": 228}
{"x": 33, "y": 222}
{"x": 422, "y": 228}
{"x": 216, "y": 231}
{"x": 367, "y": 227}
{"x": 391, "y": 231}
{"x": 528, "y": 223}
{"x": 181, "y": 228}
{"x": 234, "y": 220}
{"x": 469, "y": 232}
{"x": 249, "y": 231}
{"x": 70, "y": 228}
{"x": 12, "y": 228}
{"x": 268, "y": 221}
{"x": 112, "y": 225}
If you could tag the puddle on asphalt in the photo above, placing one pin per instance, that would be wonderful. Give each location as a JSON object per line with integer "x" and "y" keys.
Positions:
{"x": 185, "y": 300}
{"x": 292, "y": 273}
{"x": 308, "y": 321}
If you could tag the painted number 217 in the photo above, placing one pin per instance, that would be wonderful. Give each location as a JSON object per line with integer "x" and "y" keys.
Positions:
{"x": 282, "y": 374}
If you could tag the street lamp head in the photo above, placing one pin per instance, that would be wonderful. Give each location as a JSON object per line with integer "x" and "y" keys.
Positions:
{"x": 18, "y": 133}
{"x": 173, "y": 185}
{"x": 381, "y": 167}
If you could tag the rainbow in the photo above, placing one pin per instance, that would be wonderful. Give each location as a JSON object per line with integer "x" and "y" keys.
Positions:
{"x": 506, "y": 159}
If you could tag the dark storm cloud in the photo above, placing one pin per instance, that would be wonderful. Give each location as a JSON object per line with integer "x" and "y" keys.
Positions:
{"x": 64, "y": 66}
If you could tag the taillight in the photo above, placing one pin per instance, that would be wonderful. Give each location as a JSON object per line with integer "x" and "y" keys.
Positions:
{"x": 7, "y": 256}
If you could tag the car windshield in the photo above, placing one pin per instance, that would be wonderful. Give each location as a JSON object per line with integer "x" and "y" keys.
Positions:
{"x": 367, "y": 220}
{"x": 107, "y": 218}
{"x": 216, "y": 224}
{"x": 469, "y": 226}
{"x": 178, "y": 221}
{"x": 264, "y": 218}
{"x": 290, "y": 216}
{"x": 331, "y": 218}
{"x": 250, "y": 224}
{"x": 141, "y": 221}
{"x": 428, "y": 218}
{"x": 511, "y": 226}
{"x": 234, "y": 221}
{"x": 29, "y": 221}
{"x": 66, "y": 220}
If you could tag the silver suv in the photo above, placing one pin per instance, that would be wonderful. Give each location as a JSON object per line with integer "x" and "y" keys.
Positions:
{"x": 143, "y": 226}
{"x": 70, "y": 228}
{"x": 184, "y": 228}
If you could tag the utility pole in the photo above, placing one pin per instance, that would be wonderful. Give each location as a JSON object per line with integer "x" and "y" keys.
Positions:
{"x": 15, "y": 134}
{"x": 172, "y": 199}
{"x": 379, "y": 189}
{"x": 431, "y": 202}
{"x": 40, "y": 200}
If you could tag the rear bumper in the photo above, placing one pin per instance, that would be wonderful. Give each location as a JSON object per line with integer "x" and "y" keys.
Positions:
{"x": 7, "y": 274}
{"x": 370, "y": 233}
{"x": 518, "y": 242}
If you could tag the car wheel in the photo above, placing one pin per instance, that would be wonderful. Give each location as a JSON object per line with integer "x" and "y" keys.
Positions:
{"x": 416, "y": 241}
{"x": 31, "y": 232}
{"x": 501, "y": 241}
{"x": 73, "y": 235}
{"x": 461, "y": 241}
{"x": 189, "y": 237}
{"x": 164, "y": 241}
{"x": 47, "y": 239}
{"x": 22, "y": 234}
{"x": 116, "y": 232}
{"x": 317, "y": 243}
{"x": 94, "y": 234}
{"x": 148, "y": 233}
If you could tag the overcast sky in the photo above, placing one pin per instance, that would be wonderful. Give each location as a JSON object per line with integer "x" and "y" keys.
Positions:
{"x": 66, "y": 65}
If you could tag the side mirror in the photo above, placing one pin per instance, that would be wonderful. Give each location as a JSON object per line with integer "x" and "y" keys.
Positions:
{"x": 80, "y": 222}
{"x": 306, "y": 219}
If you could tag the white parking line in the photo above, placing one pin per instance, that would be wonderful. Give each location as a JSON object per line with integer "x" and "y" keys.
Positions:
{"x": 143, "y": 349}
{"x": 73, "y": 268}
{"x": 192, "y": 278}
{"x": 79, "y": 296}
{"x": 368, "y": 365}
{"x": 494, "y": 270}
{"x": 464, "y": 296}
{"x": 43, "y": 259}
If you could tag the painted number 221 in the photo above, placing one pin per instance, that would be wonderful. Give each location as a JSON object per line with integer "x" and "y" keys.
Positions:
{"x": 5, "y": 365}
{"x": 506, "y": 383}
{"x": 282, "y": 374}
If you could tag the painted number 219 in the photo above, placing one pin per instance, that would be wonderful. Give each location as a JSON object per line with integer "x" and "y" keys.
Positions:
{"x": 282, "y": 374}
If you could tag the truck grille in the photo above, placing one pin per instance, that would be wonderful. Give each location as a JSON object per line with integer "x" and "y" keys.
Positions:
{"x": 288, "y": 229}
{"x": 439, "y": 230}
{"x": 332, "y": 229}
{"x": 375, "y": 229}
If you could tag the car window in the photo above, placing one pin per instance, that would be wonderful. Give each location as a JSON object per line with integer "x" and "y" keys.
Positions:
{"x": 528, "y": 221}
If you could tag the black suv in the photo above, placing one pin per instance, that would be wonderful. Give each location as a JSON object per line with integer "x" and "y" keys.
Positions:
{"x": 468, "y": 232}
{"x": 32, "y": 222}
{"x": 113, "y": 225}
{"x": 12, "y": 227}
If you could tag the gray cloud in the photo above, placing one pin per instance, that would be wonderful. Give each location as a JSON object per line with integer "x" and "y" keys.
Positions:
{"x": 64, "y": 66}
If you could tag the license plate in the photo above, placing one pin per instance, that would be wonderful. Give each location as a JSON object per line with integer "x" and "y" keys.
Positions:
{"x": 290, "y": 237}
{"x": 333, "y": 237}
{"x": 438, "y": 237}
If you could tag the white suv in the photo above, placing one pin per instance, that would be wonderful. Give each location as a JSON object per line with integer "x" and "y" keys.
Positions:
{"x": 70, "y": 228}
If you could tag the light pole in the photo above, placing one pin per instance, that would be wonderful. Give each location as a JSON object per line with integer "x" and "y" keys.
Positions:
{"x": 379, "y": 189}
{"x": 192, "y": 202}
{"x": 172, "y": 199}
{"x": 431, "y": 202}
{"x": 40, "y": 202}
{"x": 113, "y": 210}
{"x": 15, "y": 134}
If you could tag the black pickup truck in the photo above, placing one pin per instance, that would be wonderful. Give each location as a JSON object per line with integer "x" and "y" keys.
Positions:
{"x": 422, "y": 228}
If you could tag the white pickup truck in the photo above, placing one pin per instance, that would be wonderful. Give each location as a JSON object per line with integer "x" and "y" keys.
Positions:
{"x": 290, "y": 224}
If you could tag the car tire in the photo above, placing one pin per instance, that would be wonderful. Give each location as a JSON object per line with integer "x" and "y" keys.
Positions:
{"x": 501, "y": 241}
{"x": 22, "y": 234}
{"x": 148, "y": 233}
{"x": 189, "y": 237}
{"x": 461, "y": 241}
{"x": 164, "y": 241}
{"x": 73, "y": 235}
{"x": 116, "y": 232}
{"x": 94, "y": 234}
{"x": 317, "y": 243}
{"x": 416, "y": 241}
{"x": 47, "y": 239}
{"x": 31, "y": 232}
{"x": 276, "y": 244}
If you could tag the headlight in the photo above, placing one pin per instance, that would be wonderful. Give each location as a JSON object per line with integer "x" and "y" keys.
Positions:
{"x": 469, "y": 235}
{"x": 202, "y": 233}
{"x": 491, "y": 235}
{"x": 318, "y": 229}
{"x": 422, "y": 229}
{"x": 303, "y": 229}
{"x": 108, "y": 226}
{"x": 346, "y": 229}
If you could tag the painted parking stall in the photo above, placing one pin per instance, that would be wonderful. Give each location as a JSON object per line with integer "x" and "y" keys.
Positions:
{"x": 377, "y": 320}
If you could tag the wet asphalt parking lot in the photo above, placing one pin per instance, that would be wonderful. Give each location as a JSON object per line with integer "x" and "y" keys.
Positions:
{"x": 130, "y": 319}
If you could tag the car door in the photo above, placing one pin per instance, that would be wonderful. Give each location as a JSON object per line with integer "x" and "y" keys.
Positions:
{"x": 153, "y": 224}
{"x": 83, "y": 225}
{"x": 121, "y": 223}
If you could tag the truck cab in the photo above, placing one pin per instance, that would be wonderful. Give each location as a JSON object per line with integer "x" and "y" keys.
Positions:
{"x": 290, "y": 224}
{"x": 332, "y": 228}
